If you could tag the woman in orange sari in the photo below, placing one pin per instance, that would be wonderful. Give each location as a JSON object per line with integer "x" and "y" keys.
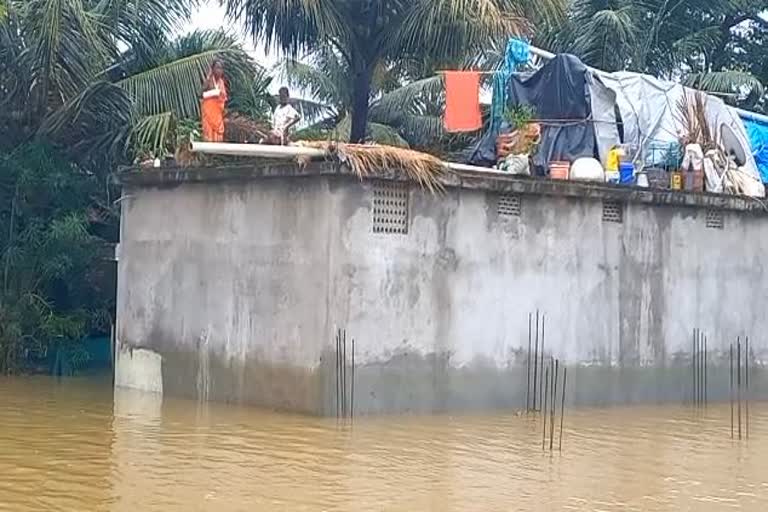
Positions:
{"x": 213, "y": 103}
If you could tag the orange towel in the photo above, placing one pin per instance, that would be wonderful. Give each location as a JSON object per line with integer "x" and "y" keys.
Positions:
{"x": 462, "y": 101}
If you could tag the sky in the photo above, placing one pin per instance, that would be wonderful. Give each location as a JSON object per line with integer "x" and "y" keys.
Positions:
{"x": 211, "y": 16}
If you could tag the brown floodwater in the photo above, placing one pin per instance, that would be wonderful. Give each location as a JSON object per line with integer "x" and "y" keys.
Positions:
{"x": 70, "y": 445}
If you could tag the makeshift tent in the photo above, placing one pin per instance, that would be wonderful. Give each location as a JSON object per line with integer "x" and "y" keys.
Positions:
{"x": 649, "y": 115}
{"x": 584, "y": 112}
{"x": 560, "y": 95}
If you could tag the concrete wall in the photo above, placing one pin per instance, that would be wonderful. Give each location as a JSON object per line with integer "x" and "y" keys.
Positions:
{"x": 240, "y": 287}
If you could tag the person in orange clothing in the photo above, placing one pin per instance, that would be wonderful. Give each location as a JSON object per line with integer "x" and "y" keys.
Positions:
{"x": 213, "y": 103}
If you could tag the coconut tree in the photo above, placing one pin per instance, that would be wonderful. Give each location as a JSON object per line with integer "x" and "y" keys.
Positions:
{"x": 702, "y": 42}
{"x": 367, "y": 33}
{"x": 94, "y": 75}
{"x": 404, "y": 109}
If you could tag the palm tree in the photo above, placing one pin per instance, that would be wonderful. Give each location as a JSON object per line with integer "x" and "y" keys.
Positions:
{"x": 96, "y": 76}
{"x": 403, "y": 108}
{"x": 692, "y": 40}
{"x": 367, "y": 33}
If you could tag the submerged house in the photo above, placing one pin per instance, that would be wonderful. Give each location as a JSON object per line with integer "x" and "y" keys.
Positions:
{"x": 248, "y": 282}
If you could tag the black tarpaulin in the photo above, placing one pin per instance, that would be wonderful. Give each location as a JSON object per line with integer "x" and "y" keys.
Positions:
{"x": 559, "y": 94}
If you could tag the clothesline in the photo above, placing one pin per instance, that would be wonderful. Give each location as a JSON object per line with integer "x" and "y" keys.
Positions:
{"x": 444, "y": 71}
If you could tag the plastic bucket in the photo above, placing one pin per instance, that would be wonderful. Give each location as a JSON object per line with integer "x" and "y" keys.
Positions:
{"x": 626, "y": 173}
{"x": 559, "y": 170}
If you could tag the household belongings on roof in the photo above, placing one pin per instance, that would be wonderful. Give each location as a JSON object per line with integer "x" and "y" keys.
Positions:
{"x": 584, "y": 113}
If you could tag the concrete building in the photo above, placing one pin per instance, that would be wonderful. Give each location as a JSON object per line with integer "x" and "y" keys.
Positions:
{"x": 234, "y": 281}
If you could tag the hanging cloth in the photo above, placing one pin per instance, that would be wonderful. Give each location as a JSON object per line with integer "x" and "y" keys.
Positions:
{"x": 517, "y": 53}
{"x": 462, "y": 101}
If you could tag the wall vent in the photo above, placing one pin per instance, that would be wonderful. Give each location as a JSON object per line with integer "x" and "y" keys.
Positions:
{"x": 390, "y": 207}
{"x": 613, "y": 211}
{"x": 715, "y": 219}
{"x": 510, "y": 205}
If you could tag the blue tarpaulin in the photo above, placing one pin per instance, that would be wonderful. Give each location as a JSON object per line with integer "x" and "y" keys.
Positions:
{"x": 758, "y": 140}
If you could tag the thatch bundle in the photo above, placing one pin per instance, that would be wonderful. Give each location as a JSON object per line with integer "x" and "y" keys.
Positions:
{"x": 368, "y": 160}
{"x": 692, "y": 115}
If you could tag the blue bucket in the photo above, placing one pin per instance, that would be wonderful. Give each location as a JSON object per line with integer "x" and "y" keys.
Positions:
{"x": 626, "y": 173}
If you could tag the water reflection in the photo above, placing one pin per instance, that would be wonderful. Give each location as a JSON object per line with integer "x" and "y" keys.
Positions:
{"x": 70, "y": 446}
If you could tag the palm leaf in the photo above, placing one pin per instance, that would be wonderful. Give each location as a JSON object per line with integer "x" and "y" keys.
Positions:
{"x": 128, "y": 20}
{"x": 738, "y": 83}
{"x": 444, "y": 28}
{"x": 322, "y": 84}
{"x": 175, "y": 86}
{"x": 57, "y": 34}
{"x": 152, "y": 133}
{"x": 94, "y": 121}
{"x": 293, "y": 26}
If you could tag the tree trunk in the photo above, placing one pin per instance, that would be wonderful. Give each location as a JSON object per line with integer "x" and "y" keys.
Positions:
{"x": 362, "y": 93}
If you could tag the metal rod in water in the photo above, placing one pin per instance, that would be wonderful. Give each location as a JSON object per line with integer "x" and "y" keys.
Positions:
{"x": 562, "y": 407}
{"x": 544, "y": 410}
{"x": 543, "y": 321}
{"x": 536, "y": 360}
{"x": 344, "y": 373}
{"x": 706, "y": 362}
{"x": 352, "y": 392}
{"x": 338, "y": 347}
{"x": 528, "y": 377}
{"x": 730, "y": 388}
{"x": 745, "y": 385}
{"x": 554, "y": 401}
{"x": 693, "y": 365}
{"x": 738, "y": 380}
{"x": 701, "y": 368}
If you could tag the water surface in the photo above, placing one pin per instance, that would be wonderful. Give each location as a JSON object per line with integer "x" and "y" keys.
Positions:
{"x": 71, "y": 446}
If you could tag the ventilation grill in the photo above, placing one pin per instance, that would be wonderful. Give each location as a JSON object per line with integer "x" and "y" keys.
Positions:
{"x": 509, "y": 205}
{"x": 390, "y": 207}
{"x": 613, "y": 211}
{"x": 715, "y": 219}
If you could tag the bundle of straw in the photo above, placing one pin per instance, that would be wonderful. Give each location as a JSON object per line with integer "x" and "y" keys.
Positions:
{"x": 692, "y": 115}
{"x": 369, "y": 160}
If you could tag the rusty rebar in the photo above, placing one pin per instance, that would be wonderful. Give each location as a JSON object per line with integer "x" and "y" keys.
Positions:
{"x": 738, "y": 380}
{"x": 344, "y": 411}
{"x": 706, "y": 363}
{"x": 536, "y": 360}
{"x": 528, "y": 373}
{"x": 543, "y": 322}
{"x": 338, "y": 373}
{"x": 693, "y": 365}
{"x": 544, "y": 411}
{"x": 730, "y": 388}
{"x": 554, "y": 401}
{"x": 352, "y": 385}
{"x": 746, "y": 386}
{"x": 562, "y": 407}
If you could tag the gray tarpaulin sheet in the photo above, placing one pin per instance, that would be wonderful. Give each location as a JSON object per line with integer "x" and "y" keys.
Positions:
{"x": 648, "y": 109}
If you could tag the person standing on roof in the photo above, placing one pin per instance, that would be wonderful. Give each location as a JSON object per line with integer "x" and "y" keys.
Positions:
{"x": 213, "y": 103}
{"x": 284, "y": 118}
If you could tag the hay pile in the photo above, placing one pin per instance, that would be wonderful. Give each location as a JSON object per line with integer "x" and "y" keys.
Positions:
{"x": 692, "y": 115}
{"x": 369, "y": 160}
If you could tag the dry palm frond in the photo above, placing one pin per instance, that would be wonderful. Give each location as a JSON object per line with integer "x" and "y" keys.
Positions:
{"x": 243, "y": 129}
{"x": 692, "y": 115}
{"x": 368, "y": 160}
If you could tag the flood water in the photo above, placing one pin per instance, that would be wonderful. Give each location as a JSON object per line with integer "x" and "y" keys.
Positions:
{"x": 71, "y": 446}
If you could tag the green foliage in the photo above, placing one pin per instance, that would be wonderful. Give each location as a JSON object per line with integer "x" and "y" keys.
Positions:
{"x": 48, "y": 256}
{"x": 519, "y": 116}
{"x": 715, "y": 45}
{"x": 366, "y": 36}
